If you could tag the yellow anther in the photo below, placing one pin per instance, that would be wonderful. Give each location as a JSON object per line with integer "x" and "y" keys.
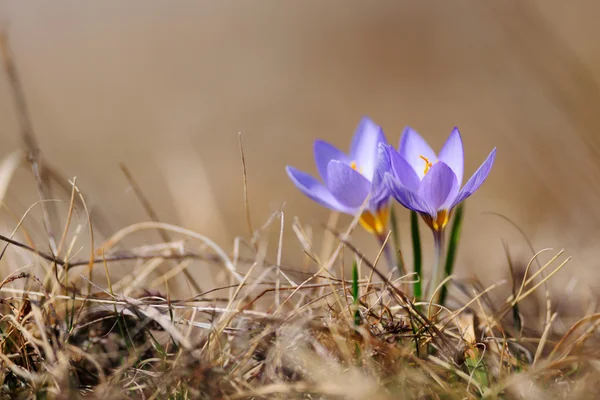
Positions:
{"x": 355, "y": 167}
{"x": 428, "y": 164}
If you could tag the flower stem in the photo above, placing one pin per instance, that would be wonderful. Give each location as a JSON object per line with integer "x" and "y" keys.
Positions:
{"x": 416, "y": 243}
{"x": 437, "y": 271}
{"x": 396, "y": 241}
{"x": 452, "y": 249}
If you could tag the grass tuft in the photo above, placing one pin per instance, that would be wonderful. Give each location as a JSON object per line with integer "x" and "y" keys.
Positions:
{"x": 327, "y": 338}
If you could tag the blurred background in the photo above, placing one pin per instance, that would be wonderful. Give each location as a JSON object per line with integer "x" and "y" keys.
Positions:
{"x": 165, "y": 87}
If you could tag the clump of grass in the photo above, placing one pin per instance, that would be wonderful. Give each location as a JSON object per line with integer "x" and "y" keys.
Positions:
{"x": 354, "y": 337}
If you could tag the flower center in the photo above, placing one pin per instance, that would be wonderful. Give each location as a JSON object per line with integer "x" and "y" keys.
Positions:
{"x": 428, "y": 164}
{"x": 375, "y": 222}
{"x": 441, "y": 220}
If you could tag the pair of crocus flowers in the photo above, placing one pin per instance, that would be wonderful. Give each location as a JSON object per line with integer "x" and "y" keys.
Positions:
{"x": 373, "y": 171}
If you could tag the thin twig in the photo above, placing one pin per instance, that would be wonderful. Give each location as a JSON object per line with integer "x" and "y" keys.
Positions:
{"x": 246, "y": 202}
{"x": 30, "y": 145}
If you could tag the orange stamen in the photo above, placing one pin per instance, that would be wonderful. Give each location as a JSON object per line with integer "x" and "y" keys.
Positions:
{"x": 355, "y": 167}
{"x": 428, "y": 164}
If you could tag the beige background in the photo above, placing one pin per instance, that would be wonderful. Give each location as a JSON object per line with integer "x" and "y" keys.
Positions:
{"x": 166, "y": 87}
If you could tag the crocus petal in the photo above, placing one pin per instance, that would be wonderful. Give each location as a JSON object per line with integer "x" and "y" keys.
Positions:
{"x": 325, "y": 152}
{"x": 379, "y": 191}
{"x": 438, "y": 185}
{"x": 380, "y": 195}
{"x": 407, "y": 198}
{"x": 347, "y": 185}
{"x": 477, "y": 179}
{"x": 379, "y": 200}
{"x": 315, "y": 190}
{"x": 412, "y": 147}
{"x": 403, "y": 171}
{"x": 452, "y": 154}
{"x": 364, "y": 145}
{"x": 384, "y": 163}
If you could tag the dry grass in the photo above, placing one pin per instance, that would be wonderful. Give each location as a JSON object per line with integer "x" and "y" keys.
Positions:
{"x": 277, "y": 333}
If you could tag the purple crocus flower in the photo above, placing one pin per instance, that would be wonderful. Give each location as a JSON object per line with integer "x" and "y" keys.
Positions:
{"x": 349, "y": 178}
{"x": 426, "y": 183}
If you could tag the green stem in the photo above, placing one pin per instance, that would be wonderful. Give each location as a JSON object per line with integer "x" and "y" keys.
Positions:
{"x": 416, "y": 244}
{"x": 437, "y": 272}
{"x": 396, "y": 241}
{"x": 355, "y": 294}
{"x": 452, "y": 249}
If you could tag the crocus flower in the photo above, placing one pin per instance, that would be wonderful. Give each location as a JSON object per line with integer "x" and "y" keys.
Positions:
{"x": 426, "y": 183}
{"x": 348, "y": 179}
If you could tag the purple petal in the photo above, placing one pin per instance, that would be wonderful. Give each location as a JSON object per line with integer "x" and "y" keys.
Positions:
{"x": 407, "y": 198}
{"x": 438, "y": 186}
{"x": 402, "y": 170}
{"x": 315, "y": 190}
{"x": 477, "y": 179}
{"x": 379, "y": 191}
{"x": 379, "y": 199}
{"x": 325, "y": 152}
{"x": 452, "y": 154}
{"x": 347, "y": 185}
{"x": 364, "y": 146}
{"x": 384, "y": 163}
{"x": 412, "y": 147}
